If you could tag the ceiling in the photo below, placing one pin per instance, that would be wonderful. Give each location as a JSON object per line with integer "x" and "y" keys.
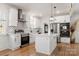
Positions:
{"x": 44, "y": 9}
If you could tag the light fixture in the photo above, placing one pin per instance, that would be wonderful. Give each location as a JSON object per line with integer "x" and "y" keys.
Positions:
{"x": 52, "y": 12}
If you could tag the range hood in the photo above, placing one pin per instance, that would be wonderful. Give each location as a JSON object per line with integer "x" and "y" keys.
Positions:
{"x": 21, "y": 16}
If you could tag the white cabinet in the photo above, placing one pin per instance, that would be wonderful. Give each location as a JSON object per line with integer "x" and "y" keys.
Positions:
{"x": 15, "y": 41}
{"x": 18, "y": 39}
{"x": 3, "y": 42}
{"x": 38, "y": 23}
{"x": 42, "y": 44}
{"x": 4, "y": 12}
{"x": 65, "y": 39}
{"x": 32, "y": 38}
{"x": 45, "y": 43}
{"x": 61, "y": 19}
{"x": 67, "y": 18}
{"x": 13, "y": 17}
{"x": 53, "y": 42}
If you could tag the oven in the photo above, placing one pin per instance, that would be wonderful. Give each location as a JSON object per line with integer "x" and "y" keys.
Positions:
{"x": 24, "y": 39}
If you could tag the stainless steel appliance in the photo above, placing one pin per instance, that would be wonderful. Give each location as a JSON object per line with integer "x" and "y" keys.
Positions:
{"x": 24, "y": 37}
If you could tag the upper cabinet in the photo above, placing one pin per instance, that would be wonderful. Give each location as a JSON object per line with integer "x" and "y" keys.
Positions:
{"x": 61, "y": 19}
{"x": 13, "y": 17}
{"x": 4, "y": 11}
{"x": 4, "y": 15}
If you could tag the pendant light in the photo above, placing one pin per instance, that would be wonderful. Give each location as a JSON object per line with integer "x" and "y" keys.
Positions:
{"x": 52, "y": 12}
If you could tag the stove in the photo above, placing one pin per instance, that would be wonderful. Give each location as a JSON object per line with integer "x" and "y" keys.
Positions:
{"x": 24, "y": 37}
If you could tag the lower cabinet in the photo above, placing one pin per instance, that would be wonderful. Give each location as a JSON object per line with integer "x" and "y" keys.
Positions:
{"x": 65, "y": 39}
{"x": 42, "y": 44}
{"x": 15, "y": 41}
{"x": 3, "y": 42}
{"x": 45, "y": 43}
{"x": 32, "y": 38}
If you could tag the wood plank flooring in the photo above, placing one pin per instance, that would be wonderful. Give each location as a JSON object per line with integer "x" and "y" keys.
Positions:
{"x": 24, "y": 51}
{"x": 66, "y": 50}
{"x": 62, "y": 49}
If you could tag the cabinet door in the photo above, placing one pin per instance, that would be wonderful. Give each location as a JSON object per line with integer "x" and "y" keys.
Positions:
{"x": 4, "y": 12}
{"x": 12, "y": 42}
{"x": 67, "y": 18}
{"x": 18, "y": 40}
{"x": 13, "y": 17}
{"x": 32, "y": 38}
{"x": 0, "y": 14}
{"x": 3, "y": 42}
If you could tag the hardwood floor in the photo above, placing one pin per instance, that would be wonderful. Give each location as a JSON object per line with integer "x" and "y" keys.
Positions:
{"x": 62, "y": 49}
{"x": 25, "y": 51}
{"x": 67, "y": 50}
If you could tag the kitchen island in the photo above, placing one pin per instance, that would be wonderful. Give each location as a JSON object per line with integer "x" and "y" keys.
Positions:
{"x": 45, "y": 43}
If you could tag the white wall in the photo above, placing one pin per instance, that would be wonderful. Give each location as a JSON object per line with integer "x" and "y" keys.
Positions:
{"x": 75, "y": 13}
{"x": 76, "y": 33}
{"x": 75, "y": 19}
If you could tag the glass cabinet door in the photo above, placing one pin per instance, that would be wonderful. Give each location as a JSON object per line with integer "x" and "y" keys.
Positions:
{"x": 45, "y": 28}
{"x": 53, "y": 27}
{"x": 3, "y": 25}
